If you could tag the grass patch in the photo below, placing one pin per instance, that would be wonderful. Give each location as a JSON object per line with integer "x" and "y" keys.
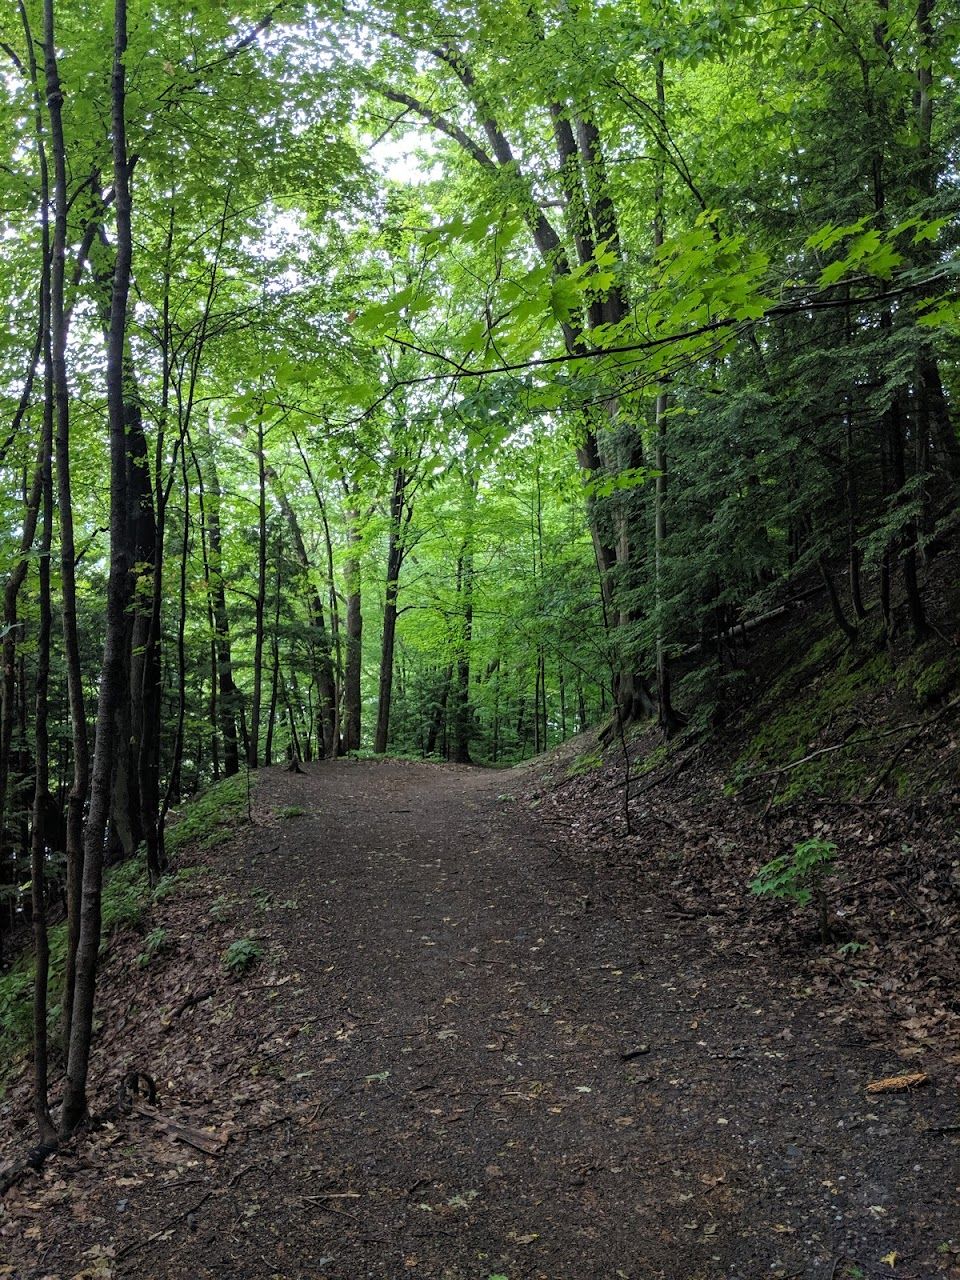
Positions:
{"x": 652, "y": 760}
{"x": 928, "y": 675}
{"x": 292, "y": 811}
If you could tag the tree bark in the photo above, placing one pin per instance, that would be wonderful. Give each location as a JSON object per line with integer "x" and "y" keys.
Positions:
{"x": 260, "y": 601}
{"x": 352, "y": 699}
{"x": 112, "y": 685}
{"x": 400, "y": 514}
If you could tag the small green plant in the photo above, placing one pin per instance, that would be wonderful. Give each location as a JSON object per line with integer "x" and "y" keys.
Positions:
{"x": 851, "y": 948}
{"x": 221, "y": 907}
{"x": 292, "y": 811}
{"x": 799, "y": 877}
{"x": 241, "y": 955}
{"x": 156, "y": 944}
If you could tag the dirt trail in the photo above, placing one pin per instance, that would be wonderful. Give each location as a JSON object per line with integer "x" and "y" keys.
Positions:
{"x": 499, "y": 1073}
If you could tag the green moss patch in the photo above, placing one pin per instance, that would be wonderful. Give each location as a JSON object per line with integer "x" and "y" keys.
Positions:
{"x": 799, "y": 726}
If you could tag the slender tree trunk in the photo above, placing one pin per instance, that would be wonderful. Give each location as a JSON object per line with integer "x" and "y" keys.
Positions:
{"x": 253, "y": 758}
{"x": 439, "y": 717}
{"x": 669, "y": 720}
{"x": 395, "y": 556}
{"x": 112, "y": 687}
{"x": 462, "y": 711}
{"x": 275, "y": 659}
{"x": 174, "y": 786}
{"x": 839, "y": 617}
{"x": 352, "y": 699}
{"x": 852, "y": 493}
{"x": 41, "y": 796}
{"x": 58, "y": 322}
{"x": 934, "y": 420}
{"x": 12, "y": 628}
{"x": 141, "y": 709}
{"x": 42, "y": 803}
{"x": 209, "y": 481}
{"x": 333, "y": 728}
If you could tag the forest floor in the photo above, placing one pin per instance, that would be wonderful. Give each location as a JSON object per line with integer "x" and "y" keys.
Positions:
{"x": 481, "y": 1043}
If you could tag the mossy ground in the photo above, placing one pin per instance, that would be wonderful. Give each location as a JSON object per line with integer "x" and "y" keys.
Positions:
{"x": 837, "y": 694}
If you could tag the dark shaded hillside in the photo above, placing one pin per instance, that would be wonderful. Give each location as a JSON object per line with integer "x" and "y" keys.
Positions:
{"x": 853, "y": 745}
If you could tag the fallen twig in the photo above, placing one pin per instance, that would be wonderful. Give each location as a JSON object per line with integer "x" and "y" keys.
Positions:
{"x": 143, "y": 1244}
{"x": 330, "y": 1208}
{"x": 920, "y": 726}
{"x": 189, "y": 1001}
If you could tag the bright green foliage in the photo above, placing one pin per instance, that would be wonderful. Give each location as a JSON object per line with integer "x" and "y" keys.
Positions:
{"x": 241, "y": 955}
{"x": 799, "y": 877}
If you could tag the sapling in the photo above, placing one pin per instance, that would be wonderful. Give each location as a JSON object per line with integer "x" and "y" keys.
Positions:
{"x": 799, "y": 877}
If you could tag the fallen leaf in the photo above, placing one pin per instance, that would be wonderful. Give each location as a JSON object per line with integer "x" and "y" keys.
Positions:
{"x": 894, "y": 1083}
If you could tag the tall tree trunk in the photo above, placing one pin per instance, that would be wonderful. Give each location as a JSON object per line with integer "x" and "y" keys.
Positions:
{"x": 461, "y": 717}
{"x": 438, "y": 717}
{"x": 210, "y": 495}
{"x": 41, "y": 786}
{"x": 41, "y": 795}
{"x": 172, "y": 793}
{"x": 275, "y": 658}
{"x": 112, "y": 685}
{"x": 933, "y": 413}
{"x": 333, "y": 731}
{"x": 670, "y": 721}
{"x": 260, "y": 601}
{"x": 352, "y": 699}
{"x": 395, "y": 556}
{"x": 11, "y": 631}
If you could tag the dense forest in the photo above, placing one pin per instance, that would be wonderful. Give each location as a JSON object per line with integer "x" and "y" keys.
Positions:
{"x": 440, "y": 381}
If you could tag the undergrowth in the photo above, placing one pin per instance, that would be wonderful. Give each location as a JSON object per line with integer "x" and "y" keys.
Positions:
{"x": 206, "y": 821}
